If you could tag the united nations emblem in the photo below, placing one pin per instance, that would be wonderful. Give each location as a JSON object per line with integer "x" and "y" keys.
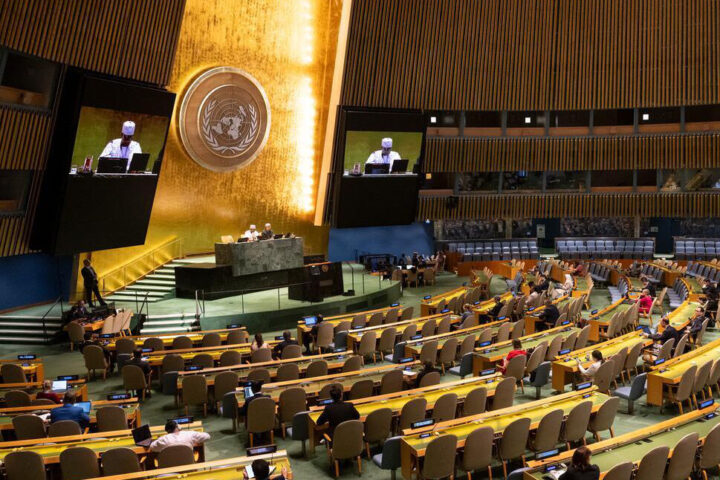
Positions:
{"x": 224, "y": 119}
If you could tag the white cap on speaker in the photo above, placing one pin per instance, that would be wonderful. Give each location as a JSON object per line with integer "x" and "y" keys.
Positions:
{"x": 128, "y": 128}
{"x": 387, "y": 142}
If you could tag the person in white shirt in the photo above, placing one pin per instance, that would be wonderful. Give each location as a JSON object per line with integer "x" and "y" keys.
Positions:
{"x": 175, "y": 436}
{"x": 124, "y": 147}
{"x": 566, "y": 287}
{"x": 384, "y": 156}
{"x": 589, "y": 373}
{"x": 251, "y": 234}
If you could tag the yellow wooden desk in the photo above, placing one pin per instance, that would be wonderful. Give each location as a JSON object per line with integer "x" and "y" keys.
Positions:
{"x": 414, "y": 442}
{"x": 629, "y": 447}
{"x": 335, "y": 362}
{"x": 396, "y": 401}
{"x": 131, "y": 407}
{"x": 600, "y": 321}
{"x": 506, "y": 269}
{"x": 354, "y": 336}
{"x": 312, "y": 386}
{"x": 223, "y": 469}
{"x": 669, "y": 372}
{"x": 583, "y": 286}
{"x": 483, "y": 307}
{"x": 668, "y": 275}
{"x": 51, "y": 452}
{"x": 490, "y": 356}
{"x": 168, "y": 338}
{"x": 680, "y": 317}
{"x": 155, "y": 358}
{"x": 347, "y": 317}
{"x": 429, "y": 306}
{"x": 413, "y": 347}
{"x": 694, "y": 288}
{"x": 32, "y": 389}
{"x": 34, "y": 369}
{"x": 565, "y": 367}
{"x": 532, "y": 317}
{"x": 635, "y": 284}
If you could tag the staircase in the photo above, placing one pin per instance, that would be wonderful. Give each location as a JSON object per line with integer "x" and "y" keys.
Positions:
{"x": 158, "y": 285}
{"x": 28, "y": 328}
{"x": 173, "y": 322}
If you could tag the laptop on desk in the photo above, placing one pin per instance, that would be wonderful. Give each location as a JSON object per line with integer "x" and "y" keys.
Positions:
{"x": 139, "y": 162}
{"x": 59, "y": 386}
{"x": 377, "y": 168}
{"x": 111, "y": 165}
{"x": 400, "y": 165}
{"x": 142, "y": 436}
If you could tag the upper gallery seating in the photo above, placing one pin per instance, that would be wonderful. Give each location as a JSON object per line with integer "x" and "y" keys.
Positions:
{"x": 696, "y": 248}
{"x": 640, "y": 248}
{"x": 484, "y": 250}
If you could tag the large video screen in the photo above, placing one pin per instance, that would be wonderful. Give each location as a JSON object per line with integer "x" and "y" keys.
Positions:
{"x": 377, "y": 155}
{"x": 103, "y": 169}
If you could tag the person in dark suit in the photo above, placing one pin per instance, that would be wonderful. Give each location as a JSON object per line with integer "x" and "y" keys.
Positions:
{"x": 92, "y": 339}
{"x": 261, "y": 471}
{"x": 492, "y": 314}
{"x": 90, "y": 281}
{"x": 256, "y": 387}
{"x": 287, "y": 340}
{"x": 69, "y": 411}
{"x": 696, "y": 323}
{"x": 267, "y": 233}
{"x": 580, "y": 467}
{"x": 647, "y": 285}
{"x": 549, "y": 315}
{"x": 337, "y": 412}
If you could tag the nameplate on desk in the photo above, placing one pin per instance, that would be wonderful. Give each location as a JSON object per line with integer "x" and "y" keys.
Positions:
{"x": 706, "y": 403}
{"x": 265, "y": 449}
{"x": 565, "y": 322}
{"x": 531, "y": 309}
{"x": 193, "y": 368}
{"x": 489, "y": 371}
{"x": 445, "y": 310}
{"x": 427, "y": 297}
{"x": 416, "y": 337}
{"x": 583, "y": 386}
{"x": 406, "y": 360}
{"x": 563, "y": 352}
{"x": 68, "y": 377}
{"x": 395, "y": 305}
{"x": 327, "y": 401}
{"x": 422, "y": 423}
{"x": 476, "y": 303}
{"x": 107, "y": 335}
{"x": 148, "y": 350}
{"x": 184, "y": 420}
{"x": 546, "y": 454}
{"x": 278, "y": 337}
{"x": 659, "y": 361}
{"x": 485, "y": 344}
{"x": 425, "y": 435}
{"x": 502, "y": 318}
{"x": 339, "y": 349}
{"x": 594, "y": 312}
{"x": 27, "y": 356}
{"x": 118, "y": 396}
{"x": 309, "y": 321}
{"x": 234, "y": 325}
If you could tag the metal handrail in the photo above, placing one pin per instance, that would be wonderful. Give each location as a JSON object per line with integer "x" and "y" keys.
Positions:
{"x": 151, "y": 255}
{"x": 58, "y": 300}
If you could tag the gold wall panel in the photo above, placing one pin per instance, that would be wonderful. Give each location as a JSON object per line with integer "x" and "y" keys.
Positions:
{"x": 289, "y": 47}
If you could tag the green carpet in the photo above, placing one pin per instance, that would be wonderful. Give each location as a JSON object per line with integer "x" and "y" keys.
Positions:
{"x": 58, "y": 360}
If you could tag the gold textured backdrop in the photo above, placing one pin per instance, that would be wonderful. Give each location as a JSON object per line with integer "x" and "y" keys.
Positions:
{"x": 289, "y": 47}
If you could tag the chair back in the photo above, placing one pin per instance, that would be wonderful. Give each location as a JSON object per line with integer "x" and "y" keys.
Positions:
{"x": 378, "y": 424}
{"x": 444, "y": 325}
{"x": 516, "y": 367}
{"x": 111, "y": 418}
{"x": 175, "y": 456}
{"x": 133, "y": 378}
{"x": 155, "y": 343}
{"x": 701, "y": 376}
{"x": 621, "y": 471}
{"x": 391, "y": 382}
{"x": 182, "y": 342}
{"x": 665, "y": 351}
{"x": 12, "y": 373}
{"x": 710, "y": 453}
{"x": 413, "y": 411}
{"x": 124, "y": 345}
{"x": 478, "y": 449}
{"x": 287, "y": 371}
{"x": 348, "y": 440}
{"x": 582, "y": 338}
{"x": 291, "y": 401}
{"x": 685, "y": 387}
{"x": 569, "y": 342}
{"x": 353, "y": 364}
{"x": 577, "y": 422}
{"x": 515, "y": 437}
{"x": 172, "y": 363}
{"x": 317, "y": 368}
{"x": 261, "y": 415}
{"x": 229, "y": 358}
{"x": 262, "y": 355}
{"x": 475, "y": 402}
{"x": 392, "y": 315}
{"x": 448, "y": 352}
{"x": 225, "y": 382}
{"x": 391, "y": 454}
{"x": 683, "y": 457}
{"x": 325, "y": 390}
{"x": 17, "y": 398}
{"x": 428, "y": 328}
{"x": 387, "y": 340}
{"x": 632, "y": 357}
{"x": 503, "y": 332}
{"x": 211, "y": 339}
{"x": 554, "y": 348}
{"x": 637, "y": 387}
{"x": 291, "y": 351}
{"x": 438, "y": 455}
{"x": 445, "y": 407}
{"x": 714, "y": 376}
{"x": 343, "y": 326}
{"x": 78, "y": 463}
{"x": 236, "y": 337}
{"x": 24, "y": 466}
{"x": 407, "y": 313}
{"x": 376, "y": 319}
{"x": 76, "y": 332}
{"x": 517, "y": 329}
{"x": 119, "y": 461}
{"x": 94, "y": 358}
{"x": 359, "y": 321}
{"x": 504, "y": 393}
{"x": 467, "y": 346}
{"x": 652, "y": 465}
{"x": 604, "y": 375}
{"x": 367, "y": 344}
{"x": 542, "y": 375}
{"x": 28, "y": 427}
{"x": 432, "y": 378}
{"x": 408, "y": 332}
{"x": 204, "y": 360}
{"x": 361, "y": 389}
{"x": 605, "y": 416}
{"x": 429, "y": 352}
{"x": 548, "y": 431}
{"x": 619, "y": 361}
{"x": 64, "y": 428}
{"x": 325, "y": 333}
{"x": 485, "y": 336}
{"x": 536, "y": 357}
{"x": 195, "y": 391}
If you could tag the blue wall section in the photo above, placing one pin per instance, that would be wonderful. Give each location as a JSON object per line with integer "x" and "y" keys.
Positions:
{"x": 34, "y": 278}
{"x": 349, "y": 243}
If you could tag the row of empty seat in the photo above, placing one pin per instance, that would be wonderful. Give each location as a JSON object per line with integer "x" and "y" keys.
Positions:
{"x": 701, "y": 270}
{"x": 696, "y": 248}
{"x": 639, "y": 248}
{"x": 677, "y": 294}
{"x": 485, "y": 250}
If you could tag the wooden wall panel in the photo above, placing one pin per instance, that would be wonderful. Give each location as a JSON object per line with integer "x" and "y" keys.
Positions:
{"x": 522, "y": 55}
{"x": 586, "y": 153}
{"x": 571, "y": 205}
{"x": 128, "y": 38}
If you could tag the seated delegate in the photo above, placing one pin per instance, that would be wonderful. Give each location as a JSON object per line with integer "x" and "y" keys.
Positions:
{"x": 175, "y": 436}
{"x": 69, "y": 411}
